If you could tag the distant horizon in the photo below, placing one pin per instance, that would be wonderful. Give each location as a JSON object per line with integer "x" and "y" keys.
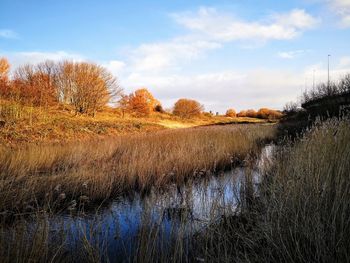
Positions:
{"x": 245, "y": 55}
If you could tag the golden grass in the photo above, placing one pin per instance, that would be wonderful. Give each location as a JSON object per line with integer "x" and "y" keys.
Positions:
{"x": 99, "y": 169}
{"x": 308, "y": 197}
{"x": 301, "y": 213}
{"x": 25, "y": 124}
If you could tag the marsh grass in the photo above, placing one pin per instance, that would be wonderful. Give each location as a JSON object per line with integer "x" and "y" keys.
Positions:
{"x": 302, "y": 213}
{"x": 307, "y": 197}
{"x": 299, "y": 213}
{"x": 77, "y": 174}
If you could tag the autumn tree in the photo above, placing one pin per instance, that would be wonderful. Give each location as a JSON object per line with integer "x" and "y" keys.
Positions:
{"x": 187, "y": 108}
{"x": 251, "y": 113}
{"x": 148, "y": 97}
{"x": 242, "y": 113}
{"x": 46, "y": 80}
{"x": 4, "y": 69}
{"x": 4, "y": 80}
{"x": 87, "y": 86}
{"x": 138, "y": 105}
{"x": 124, "y": 104}
{"x": 141, "y": 103}
{"x": 265, "y": 113}
{"x": 231, "y": 113}
{"x": 35, "y": 85}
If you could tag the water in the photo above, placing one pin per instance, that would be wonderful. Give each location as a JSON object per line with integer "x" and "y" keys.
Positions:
{"x": 158, "y": 219}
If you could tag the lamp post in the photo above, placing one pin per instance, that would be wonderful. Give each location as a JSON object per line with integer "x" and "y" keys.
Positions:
{"x": 328, "y": 71}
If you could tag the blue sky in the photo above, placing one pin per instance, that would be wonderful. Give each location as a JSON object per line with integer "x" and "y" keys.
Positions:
{"x": 240, "y": 54}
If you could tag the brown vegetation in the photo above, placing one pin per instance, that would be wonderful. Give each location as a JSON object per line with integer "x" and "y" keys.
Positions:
{"x": 186, "y": 108}
{"x": 4, "y": 71}
{"x": 263, "y": 113}
{"x": 109, "y": 167}
{"x": 86, "y": 86}
{"x": 140, "y": 103}
{"x": 231, "y": 113}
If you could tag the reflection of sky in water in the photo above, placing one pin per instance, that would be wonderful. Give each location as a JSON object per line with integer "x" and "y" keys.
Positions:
{"x": 188, "y": 208}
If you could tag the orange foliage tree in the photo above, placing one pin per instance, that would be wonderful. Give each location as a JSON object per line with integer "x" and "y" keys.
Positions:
{"x": 242, "y": 113}
{"x": 138, "y": 104}
{"x": 265, "y": 113}
{"x": 87, "y": 86}
{"x": 141, "y": 103}
{"x": 4, "y": 70}
{"x": 186, "y": 108}
{"x": 251, "y": 113}
{"x": 231, "y": 113}
{"x": 33, "y": 85}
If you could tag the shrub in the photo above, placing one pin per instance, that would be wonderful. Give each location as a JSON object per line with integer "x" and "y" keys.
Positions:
{"x": 141, "y": 103}
{"x": 242, "y": 113}
{"x": 231, "y": 113}
{"x": 265, "y": 113}
{"x": 186, "y": 108}
{"x": 251, "y": 113}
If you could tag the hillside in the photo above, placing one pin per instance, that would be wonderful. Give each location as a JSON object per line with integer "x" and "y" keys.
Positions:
{"x": 23, "y": 124}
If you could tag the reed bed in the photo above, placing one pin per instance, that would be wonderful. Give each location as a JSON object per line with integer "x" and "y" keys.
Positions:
{"x": 307, "y": 202}
{"x": 303, "y": 211}
{"x": 71, "y": 175}
{"x": 300, "y": 213}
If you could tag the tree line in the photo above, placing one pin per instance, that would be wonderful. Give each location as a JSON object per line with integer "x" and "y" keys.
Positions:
{"x": 85, "y": 86}
{"x": 263, "y": 113}
{"x": 89, "y": 87}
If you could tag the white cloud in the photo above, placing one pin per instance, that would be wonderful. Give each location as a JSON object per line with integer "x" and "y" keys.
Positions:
{"x": 297, "y": 19}
{"x": 221, "y": 90}
{"x": 224, "y": 27}
{"x": 341, "y": 8}
{"x": 7, "y": 33}
{"x": 116, "y": 67}
{"x": 165, "y": 55}
{"x": 161, "y": 66}
{"x": 210, "y": 29}
{"x": 344, "y": 62}
{"x": 20, "y": 58}
{"x": 291, "y": 54}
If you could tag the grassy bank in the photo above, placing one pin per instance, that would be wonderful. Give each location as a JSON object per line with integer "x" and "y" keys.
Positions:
{"x": 20, "y": 124}
{"x": 303, "y": 211}
{"x": 56, "y": 175}
{"x": 307, "y": 202}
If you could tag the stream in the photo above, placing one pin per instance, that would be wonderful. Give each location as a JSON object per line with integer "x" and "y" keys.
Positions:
{"x": 157, "y": 219}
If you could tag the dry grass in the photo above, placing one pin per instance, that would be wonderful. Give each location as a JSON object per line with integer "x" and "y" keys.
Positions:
{"x": 54, "y": 175}
{"x": 301, "y": 214}
{"x": 60, "y": 123}
{"x": 308, "y": 201}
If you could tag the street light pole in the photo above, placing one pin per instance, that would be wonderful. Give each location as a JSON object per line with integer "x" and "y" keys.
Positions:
{"x": 328, "y": 71}
{"x": 313, "y": 80}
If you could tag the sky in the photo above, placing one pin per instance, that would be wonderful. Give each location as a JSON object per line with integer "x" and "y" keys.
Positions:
{"x": 226, "y": 54}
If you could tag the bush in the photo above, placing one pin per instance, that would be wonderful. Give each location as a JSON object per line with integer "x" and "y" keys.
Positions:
{"x": 231, "y": 113}
{"x": 186, "y": 108}
{"x": 265, "y": 113}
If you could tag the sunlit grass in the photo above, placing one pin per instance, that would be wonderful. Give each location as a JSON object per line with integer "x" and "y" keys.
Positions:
{"x": 55, "y": 174}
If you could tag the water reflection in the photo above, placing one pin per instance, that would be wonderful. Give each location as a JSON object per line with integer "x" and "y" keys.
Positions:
{"x": 143, "y": 225}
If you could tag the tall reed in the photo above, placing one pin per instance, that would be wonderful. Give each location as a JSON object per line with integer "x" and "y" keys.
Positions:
{"x": 53, "y": 175}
